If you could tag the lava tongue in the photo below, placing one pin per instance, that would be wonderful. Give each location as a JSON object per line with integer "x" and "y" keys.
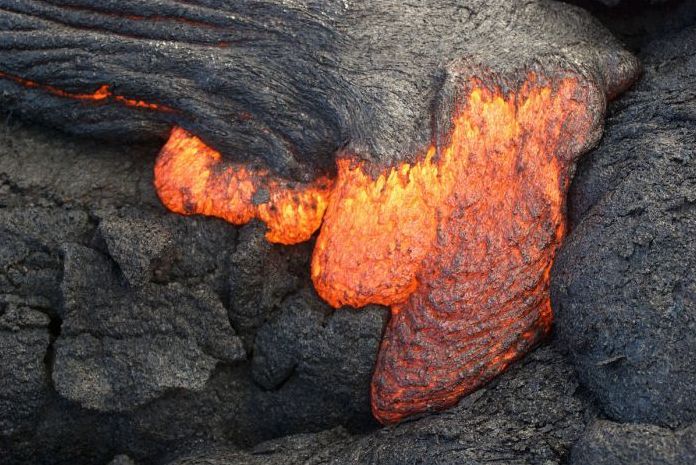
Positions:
{"x": 460, "y": 245}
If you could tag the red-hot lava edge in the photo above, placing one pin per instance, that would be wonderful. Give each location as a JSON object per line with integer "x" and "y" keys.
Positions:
{"x": 459, "y": 245}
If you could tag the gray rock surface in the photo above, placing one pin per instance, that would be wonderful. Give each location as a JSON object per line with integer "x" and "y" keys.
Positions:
{"x": 24, "y": 339}
{"x": 122, "y": 460}
{"x": 530, "y": 415}
{"x": 623, "y": 287}
{"x": 261, "y": 276}
{"x": 608, "y": 443}
{"x": 136, "y": 245}
{"x": 121, "y": 347}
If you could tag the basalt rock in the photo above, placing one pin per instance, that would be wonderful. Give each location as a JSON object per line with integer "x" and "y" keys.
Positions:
{"x": 530, "y": 415}
{"x": 622, "y": 285}
{"x": 261, "y": 276}
{"x": 164, "y": 337}
{"x": 24, "y": 340}
{"x": 608, "y": 443}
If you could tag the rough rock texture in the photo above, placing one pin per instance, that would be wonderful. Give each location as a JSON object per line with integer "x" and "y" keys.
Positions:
{"x": 307, "y": 344}
{"x": 24, "y": 339}
{"x": 608, "y": 443}
{"x": 262, "y": 275}
{"x": 622, "y": 287}
{"x": 136, "y": 244}
{"x": 285, "y": 83}
{"x": 638, "y": 22}
{"x": 121, "y": 347}
{"x": 118, "y": 341}
{"x": 122, "y": 460}
{"x": 530, "y": 415}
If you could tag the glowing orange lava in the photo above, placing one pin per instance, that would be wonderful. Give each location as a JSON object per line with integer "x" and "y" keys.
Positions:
{"x": 459, "y": 244}
{"x": 191, "y": 178}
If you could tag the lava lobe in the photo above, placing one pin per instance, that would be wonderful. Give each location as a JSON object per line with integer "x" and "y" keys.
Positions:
{"x": 459, "y": 243}
{"x": 191, "y": 178}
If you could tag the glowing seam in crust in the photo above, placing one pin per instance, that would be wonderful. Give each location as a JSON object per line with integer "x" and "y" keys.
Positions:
{"x": 103, "y": 93}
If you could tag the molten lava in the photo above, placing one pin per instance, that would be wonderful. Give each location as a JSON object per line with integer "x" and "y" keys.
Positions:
{"x": 459, "y": 243}
{"x": 191, "y": 178}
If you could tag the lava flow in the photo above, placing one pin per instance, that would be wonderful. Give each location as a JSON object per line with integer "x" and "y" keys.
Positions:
{"x": 459, "y": 243}
{"x": 191, "y": 178}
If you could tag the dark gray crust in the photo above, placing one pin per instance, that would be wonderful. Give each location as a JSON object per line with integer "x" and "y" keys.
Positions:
{"x": 609, "y": 443}
{"x": 530, "y": 415}
{"x": 288, "y": 83}
{"x": 622, "y": 285}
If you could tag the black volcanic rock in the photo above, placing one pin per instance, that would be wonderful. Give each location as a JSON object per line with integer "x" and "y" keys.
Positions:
{"x": 622, "y": 285}
{"x": 261, "y": 276}
{"x": 288, "y": 84}
{"x": 121, "y": 347}
{"x": 608, "y": 443}
{"x": 24, "y": 340}
{"x": 530, "y": 415}
{"x": 316, "y": 355}
{"x": 136, "y": 244}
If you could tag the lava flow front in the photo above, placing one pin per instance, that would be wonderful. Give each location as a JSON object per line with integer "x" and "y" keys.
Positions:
{"x": 459, "y": 243}
{"x": 191, "y": 178}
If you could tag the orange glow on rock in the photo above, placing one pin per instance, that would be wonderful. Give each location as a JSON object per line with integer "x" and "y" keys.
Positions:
{"x": 192, "y": 178}
{"x": 460, "y": 244}
{"x": 103, "y": 93}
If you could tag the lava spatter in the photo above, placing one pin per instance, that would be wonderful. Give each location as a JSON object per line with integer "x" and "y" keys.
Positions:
{"x": 460, "y": 245}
